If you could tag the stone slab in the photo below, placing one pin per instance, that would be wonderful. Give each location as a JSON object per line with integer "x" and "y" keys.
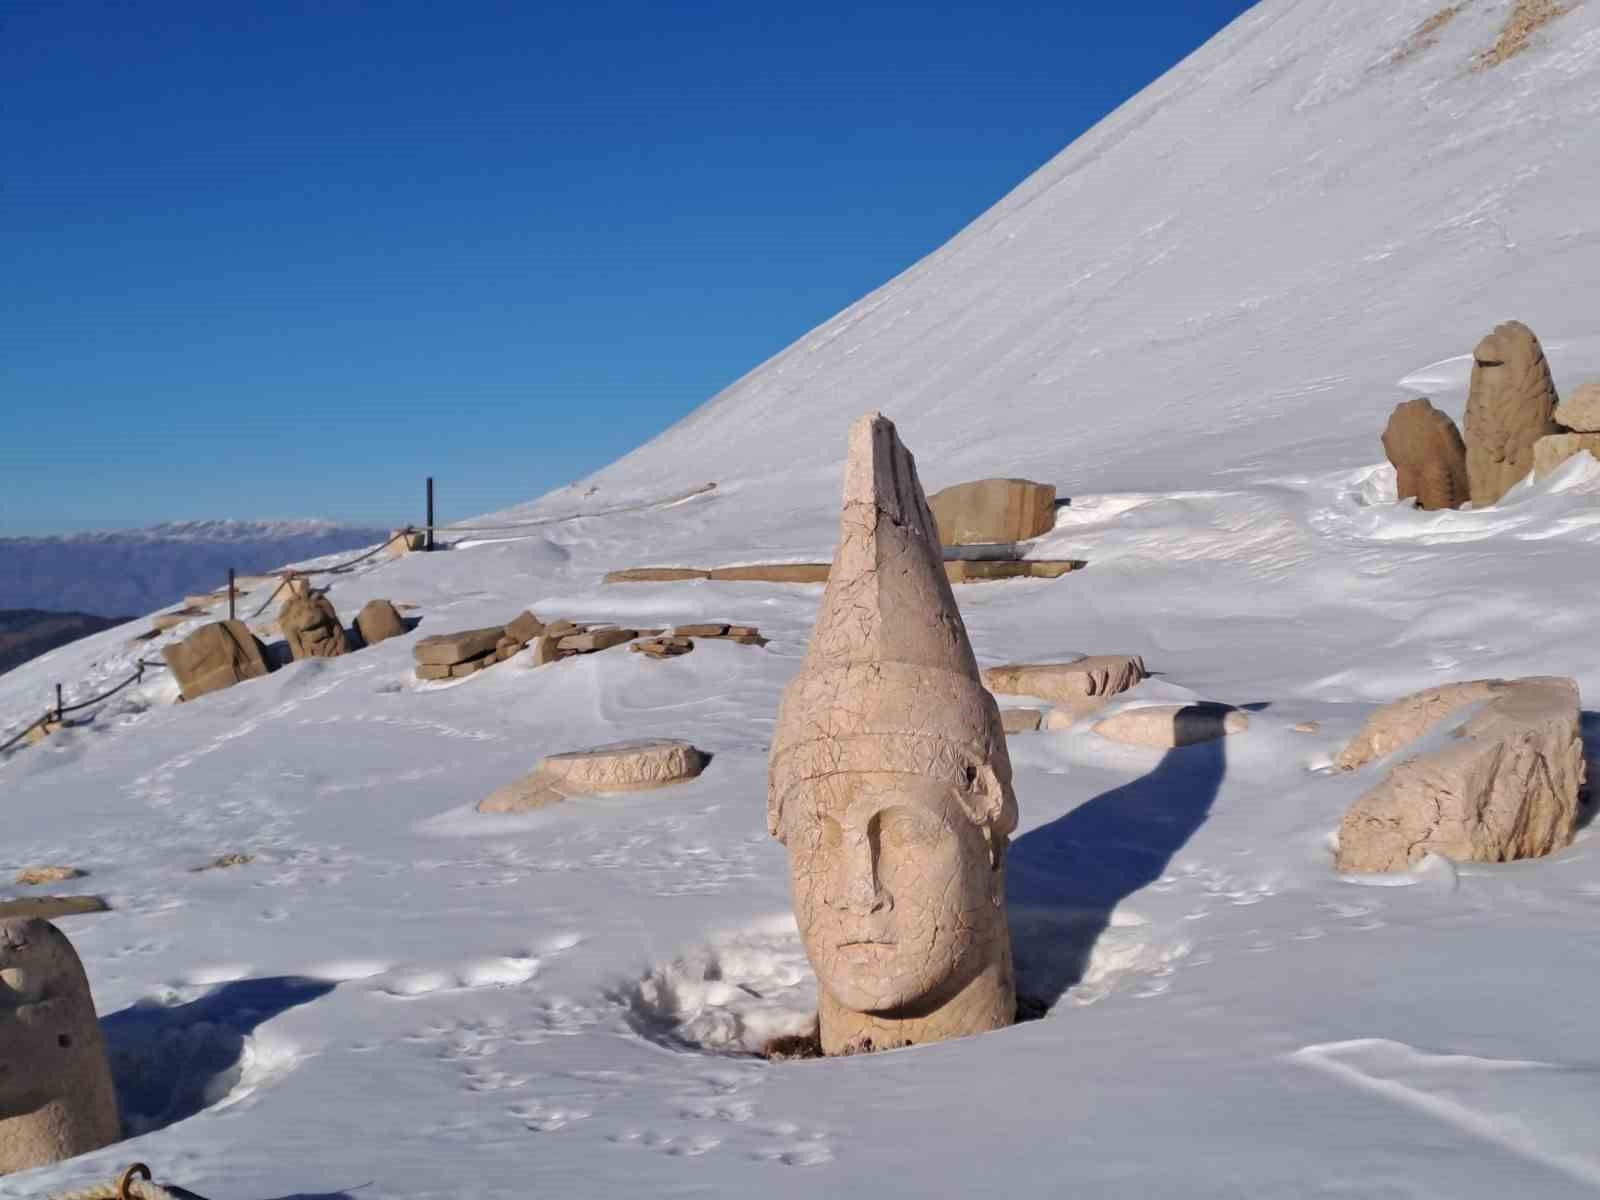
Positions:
{"x": 595, "y": 640}
{"x": 433, "y": 671}
{"x": 1083, "y": 686}
{"x": 1021, "y": 720}
{"x": 1169, "y": 726}
{"x": 51, "y": 907}
{"x": 994, "y": 510}
{"x": 448, "y": 648}
{"x": 214, "y": 657}
{"x": 656, "y": 575}
{"x": 525, "y": 627}
{"x": 773, "y": 573}
{"x": 1550, "y": 452}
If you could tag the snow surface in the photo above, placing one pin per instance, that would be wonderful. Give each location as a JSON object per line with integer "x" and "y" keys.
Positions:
{"x": 1194, "y": 321}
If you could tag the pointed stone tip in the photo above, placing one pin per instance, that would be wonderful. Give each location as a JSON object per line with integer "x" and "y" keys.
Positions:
{"x": 878, "y": 467}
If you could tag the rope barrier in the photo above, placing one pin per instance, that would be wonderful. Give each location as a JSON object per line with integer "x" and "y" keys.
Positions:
{"x": 134, "y": 1183}
{"x": 55, "y": 714}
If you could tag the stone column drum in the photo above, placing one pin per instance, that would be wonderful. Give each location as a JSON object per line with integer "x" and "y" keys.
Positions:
{"x": 890, "y": 785}
{"x": 56, "y": 1097}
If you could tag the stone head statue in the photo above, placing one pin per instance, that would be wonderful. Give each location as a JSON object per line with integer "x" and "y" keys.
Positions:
{"x": 56, "y": 1096}
{"x": 889, "y": 782}
{"x": 1511, "y": 406}
{"x": 1429, "y": 458}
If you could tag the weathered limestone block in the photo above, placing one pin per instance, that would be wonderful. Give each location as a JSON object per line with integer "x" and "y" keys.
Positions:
{"x": 404, "y": 541}
{"x": 36, "y": 876}
{"x": 1550, "y": 452}
{"x": 1510, "y": 407}
{"x": 1083, "y": 687}
{"x": 379, "y": 620}
{"x": 1580, "y": 412}
{"x": 446, "y": 649}
{"x": 545, "y": 650}
{"x": 1429, "y": 457}
{"x": 171, "y": 620}
{"x": 433, "y": 671}
{"x": 1403, "y": 721}
{"x": 215, "y": 656}
{"x": 663, "y": 647}
{"x": 50, "y": 907}
{"x": 656, "y": 575}
{"x": 1505, "y": 787}
{"x": 595, "y": 640}
{"x": 994, "y": 510}
{"x": 1168, "y": 726}
{"x": 700, "y": 631}
{"x": 524, "y": 628}
{"x": 56, "y": 1094}
{"x": 620, "y": 767}
{"x": 890, "y": 784}
{"x": 472, "y": 665}
{"x": 1021, "y": 720}
{"x": 974, "y": 571}
{"x": 311, "y": 626}
{"x": 773, "y": 573}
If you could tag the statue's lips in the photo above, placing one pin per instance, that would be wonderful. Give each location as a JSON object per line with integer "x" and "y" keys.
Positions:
{"x": 866, "y": 945}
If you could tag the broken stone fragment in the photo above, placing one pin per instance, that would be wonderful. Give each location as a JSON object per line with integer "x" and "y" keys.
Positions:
{"x": 1307, "y": 727}
{"x": 311, "y": 626}
{"x": 171, "y": 620}
{"x": 773, "y": 573}
{"x": 663, "y": 647}
{"x": 379, "y": 620}
{"x": 994, "y": 510}
{"x": 595, "y": 640}
{"x": 35, "y": 876}
{"x": 215, "y": 656}
{"x": 1428, "y": 455}
{"x": 433, "y": 670}
{"x": 970, "y": 571}
{"x": 524, "y": 628}
{"x": 1511, "y": 406}
{"x": 620, "y": 767}
{"x": 457, "y": 670}
{"x": 1169, "y": 726}
{"x": 545, "y": 650}
{"x": 448, "y": 648}
{"x": 561, "y": 629}
{"x": 50, "y": 907}
{"x": 656, "y": 575}
{"x": 1021, "y": 720}
{"x": 57, "y": 1099}
{"x": 404, "y": 541}
{"x": 1550, "y": 452}
{"x": 1505, "y": 786}
{"x": 700, "y": 631}
{"x": 1403, "y": 721}
{"x": 1083, "y": 686}
{"x": 1580, "y": 412}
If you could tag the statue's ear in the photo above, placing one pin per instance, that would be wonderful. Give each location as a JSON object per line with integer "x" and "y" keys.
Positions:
{"x": 984, "y": 798}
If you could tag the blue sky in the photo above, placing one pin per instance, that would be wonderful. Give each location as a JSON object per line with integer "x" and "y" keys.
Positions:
{"x": 287, "y": 259}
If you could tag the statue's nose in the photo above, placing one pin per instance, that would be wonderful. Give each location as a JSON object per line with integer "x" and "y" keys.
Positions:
{"x": 859, "y": 891}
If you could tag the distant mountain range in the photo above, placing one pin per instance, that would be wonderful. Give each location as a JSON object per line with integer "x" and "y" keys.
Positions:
{"x": 139, "y": 570}
{"x": 27, "y": 632}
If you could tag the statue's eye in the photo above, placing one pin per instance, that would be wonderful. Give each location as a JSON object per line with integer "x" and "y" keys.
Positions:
{"x": 901, "y": 826}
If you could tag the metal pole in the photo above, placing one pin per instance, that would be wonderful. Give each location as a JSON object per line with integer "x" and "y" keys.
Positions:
{"x": 428, "y": 541}
{"x": 58, "y": 702}
{"x": 232, "y": 616}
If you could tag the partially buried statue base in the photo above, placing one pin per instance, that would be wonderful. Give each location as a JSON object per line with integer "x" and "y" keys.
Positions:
{"x": 890, "y": 784}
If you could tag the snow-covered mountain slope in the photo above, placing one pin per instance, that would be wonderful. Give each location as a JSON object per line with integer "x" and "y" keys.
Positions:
{"x": 401, "y": 997}
{"x": 135, "y": 570}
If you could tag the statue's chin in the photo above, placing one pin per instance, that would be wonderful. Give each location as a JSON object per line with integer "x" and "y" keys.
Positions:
{"x": 877, "y": 991}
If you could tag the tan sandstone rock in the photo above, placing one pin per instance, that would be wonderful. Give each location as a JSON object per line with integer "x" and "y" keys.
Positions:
{"x": 656, "y": 575}
{"x": 1429, "y": 457}
{"x": 434, "y": 671}
{"x": 663, "y": 647}
{"x": 700, "y": 631}
{"x": 1505, "y": 787}
{"x": 593, "y": 641}
{"x": 1403, "y": 721}
{"x": 773, "y": 573}
{"x": 404, "y": 541}
{"x": 50, "y": 907}
{"x": 1168, "y": 726}
{"x": 889, "y": 782}
{"x": 994, "y": 510}
{"x": 1021, "y": 720}
{"x": 448, "y": 648}
{"x": 378, "y": 621}
{"x": 1510, "y": 407}
{"x": 311, "y": 626}
{"x": 56, "y": 1096}
{"x": 524, "y": 628}
{"x": 1550, "y": 452}
{"x": 619, "y": 767}
{"x": 37, "y": 876}
{"x": 1084, "y": 686}
{"x": 1580, "y": 412}
{"x": 214, "y": 657}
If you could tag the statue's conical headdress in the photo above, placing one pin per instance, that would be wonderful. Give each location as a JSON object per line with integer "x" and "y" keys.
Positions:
{"x": 889, "y": 682}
